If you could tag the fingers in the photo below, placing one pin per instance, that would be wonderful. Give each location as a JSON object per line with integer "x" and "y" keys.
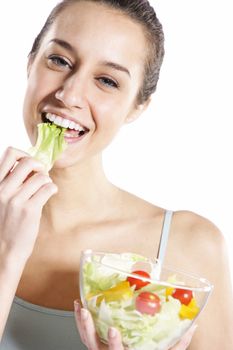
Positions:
{"x": 43, "y": 194}
{"x": 23, "y": 178}
{"x": 77, "y": 314}
{"x": 114, "y": 339}
{"x": 186, "y": 339}
{"x": 86, "y": 327}
{"x": 32, "y": 185}
{"x": 15, "y": 178}
{"x": 8, "y": 160}
{"x": 88, "y": 334}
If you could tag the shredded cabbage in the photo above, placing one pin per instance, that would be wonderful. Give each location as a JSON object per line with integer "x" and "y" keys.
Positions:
{"x": 99, "y": 278}
{"x": 140, "y": 331}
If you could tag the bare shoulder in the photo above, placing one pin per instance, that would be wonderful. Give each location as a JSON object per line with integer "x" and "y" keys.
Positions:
{"x": 199, "y": 236}
{"x": 196, "y": 243}
{"x": 199, "y": 247}
{"x": 198, "y": 229}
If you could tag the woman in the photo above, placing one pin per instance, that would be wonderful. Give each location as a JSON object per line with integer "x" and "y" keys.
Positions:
{"x": 95, "y": 64}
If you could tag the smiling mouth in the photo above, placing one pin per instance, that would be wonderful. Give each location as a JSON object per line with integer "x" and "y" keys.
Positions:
{"x": 73, "y": 130}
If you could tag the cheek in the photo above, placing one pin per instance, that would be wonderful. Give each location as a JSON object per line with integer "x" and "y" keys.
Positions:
{"x": 40, "y": 84}
{"x": 31, "y": 97}
{"x": 29, "y": 115}
{"x": 108, "y": 121}
{"x": 35, "y": 92}
{"x": 111, "y": 112}
{"x": 38, "y": 87}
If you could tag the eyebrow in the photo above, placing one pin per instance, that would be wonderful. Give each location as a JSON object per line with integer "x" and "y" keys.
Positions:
{"x": 110, "y": 64}
{"x": 116, "y": 66}
{"x": 63, "y": 44}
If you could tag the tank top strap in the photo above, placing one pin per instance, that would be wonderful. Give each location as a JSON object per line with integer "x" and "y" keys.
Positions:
{"x": 164, "y": 236}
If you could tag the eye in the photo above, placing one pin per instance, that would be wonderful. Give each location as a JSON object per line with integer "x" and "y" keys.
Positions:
{"x": 108, "y": 82}
{"x": 59, "y": 62}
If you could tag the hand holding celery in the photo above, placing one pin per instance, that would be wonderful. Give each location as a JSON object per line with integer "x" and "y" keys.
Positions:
{"x": 24, "y": 190}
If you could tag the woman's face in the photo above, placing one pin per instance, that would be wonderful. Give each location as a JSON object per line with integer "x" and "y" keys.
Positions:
{"x": 88, "y": 71}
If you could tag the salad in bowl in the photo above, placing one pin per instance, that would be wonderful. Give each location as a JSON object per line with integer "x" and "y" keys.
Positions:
{"x": 152, "y": 307}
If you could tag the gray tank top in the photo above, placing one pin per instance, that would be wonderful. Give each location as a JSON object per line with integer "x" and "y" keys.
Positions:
{"x": 33, "y": 327}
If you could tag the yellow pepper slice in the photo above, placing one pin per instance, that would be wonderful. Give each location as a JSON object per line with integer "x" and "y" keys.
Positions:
{"x": 121, "y": 291}
{"x": 169, "y": 291}
{"x": 189, "y": 311}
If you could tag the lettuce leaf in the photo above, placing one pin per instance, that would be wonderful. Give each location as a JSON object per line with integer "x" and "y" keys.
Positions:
{"x": 49, "y": 145}
{"x": 97, "y": 278}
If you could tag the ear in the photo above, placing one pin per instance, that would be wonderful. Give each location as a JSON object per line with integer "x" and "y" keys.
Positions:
{"x": 137, "y": 111}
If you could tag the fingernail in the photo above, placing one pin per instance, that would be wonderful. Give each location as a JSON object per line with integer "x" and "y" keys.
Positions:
{"x": 112, "y": 332}
{"x": 76, "y": 306}
{"x": 84, "y": 314}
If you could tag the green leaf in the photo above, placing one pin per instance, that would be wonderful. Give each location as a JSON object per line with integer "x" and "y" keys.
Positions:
{"x": 49, "y": 145}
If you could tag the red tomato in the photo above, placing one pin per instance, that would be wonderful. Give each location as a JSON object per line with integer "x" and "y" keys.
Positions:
{"x": 148, "y": 303}
{"x": 138, "y": 282}
{"x": 183, "y": 295}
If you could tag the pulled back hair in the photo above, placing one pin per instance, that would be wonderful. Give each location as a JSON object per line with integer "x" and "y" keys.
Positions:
{"x": 141, "y": 12}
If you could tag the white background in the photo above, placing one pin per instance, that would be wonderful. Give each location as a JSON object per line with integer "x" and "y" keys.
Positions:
{"x": 179, "y": 154}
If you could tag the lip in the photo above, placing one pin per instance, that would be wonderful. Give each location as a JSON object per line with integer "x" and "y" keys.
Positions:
{"x": 65, "y": 116}
{"x": 72, "y": 140}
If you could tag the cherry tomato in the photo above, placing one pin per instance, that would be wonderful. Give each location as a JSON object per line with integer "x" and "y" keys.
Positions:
{"x": 183, "y": 295}
{"x": 133, "y": 281}
{"x": 148, "y": 303}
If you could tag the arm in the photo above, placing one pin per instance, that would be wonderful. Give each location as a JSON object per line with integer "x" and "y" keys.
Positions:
{"x": 216, "y": 322}
{"x": 204, "y": 253}
{"x": 24, "y": 189}
{"x": 10, "y": 273}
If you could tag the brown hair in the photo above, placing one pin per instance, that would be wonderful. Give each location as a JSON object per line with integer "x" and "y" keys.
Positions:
{"x": 140, "y": 11}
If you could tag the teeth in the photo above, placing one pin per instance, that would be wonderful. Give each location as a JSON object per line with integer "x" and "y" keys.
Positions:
{"x": 51, "y": 117}
{"x": 58, "y": 121}
{"x": 72, "y": 125}
{"x": 65, "y": 123}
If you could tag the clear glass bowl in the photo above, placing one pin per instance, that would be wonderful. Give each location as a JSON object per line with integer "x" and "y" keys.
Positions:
{"x": 151, "y": 306}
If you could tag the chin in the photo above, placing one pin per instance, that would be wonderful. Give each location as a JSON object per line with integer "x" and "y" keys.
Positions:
{"x": 65, "y": 161}
{"x": 82, "y": 160}
{"x": 64, "y": 164}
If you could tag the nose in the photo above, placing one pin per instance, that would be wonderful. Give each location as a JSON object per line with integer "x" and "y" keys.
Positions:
{"x": 71, "y": 93}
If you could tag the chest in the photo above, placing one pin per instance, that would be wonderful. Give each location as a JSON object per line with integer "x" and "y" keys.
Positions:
{"x": 51, "y": 276}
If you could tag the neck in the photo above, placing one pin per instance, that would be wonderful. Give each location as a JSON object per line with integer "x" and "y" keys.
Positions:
{"x": 84, "y": 195}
